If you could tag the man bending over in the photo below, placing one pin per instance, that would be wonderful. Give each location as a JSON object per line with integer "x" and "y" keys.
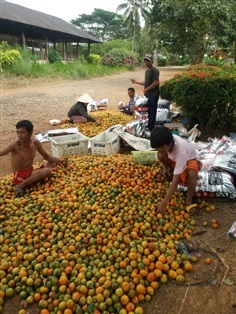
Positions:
{"x": 180, "y": 164}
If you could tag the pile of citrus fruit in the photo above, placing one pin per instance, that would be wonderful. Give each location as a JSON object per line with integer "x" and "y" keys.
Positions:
{"x": 108, "y": 118}
{"x": 89, "y": 240}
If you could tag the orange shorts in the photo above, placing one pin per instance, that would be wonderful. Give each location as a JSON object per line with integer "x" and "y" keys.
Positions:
{"x": 191, "y": 164}
{"x": 22, "y": 175}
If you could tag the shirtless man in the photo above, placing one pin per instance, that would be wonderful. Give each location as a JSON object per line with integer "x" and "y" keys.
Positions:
{"x": 23, "y": 152}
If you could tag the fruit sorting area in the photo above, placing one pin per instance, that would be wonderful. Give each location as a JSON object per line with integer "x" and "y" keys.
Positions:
{"x": 89, "y": 238}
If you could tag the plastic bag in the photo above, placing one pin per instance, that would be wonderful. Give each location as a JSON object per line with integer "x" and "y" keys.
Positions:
{"x": 141, "y": 101}
{"x": 164, "y": 103}
{"x": 140, "y": 115}
{"x": 226, "y": 161}
{"x": 232, "y": 230}
{"x": 55, "y": 122}
{"x": 136, "y": 128}
{"x": 219, "y": 182}
{"x": 162, "y": 114}
{"x": 92, "y": 107}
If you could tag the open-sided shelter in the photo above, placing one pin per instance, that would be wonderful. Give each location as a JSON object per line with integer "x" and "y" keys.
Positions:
{"x": 35, "y": 29}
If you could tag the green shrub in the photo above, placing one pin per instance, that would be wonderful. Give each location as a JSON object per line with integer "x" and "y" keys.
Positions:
{"x": 94, "y": 59}
{"x": 120, "y": 58}
{"x": 206, "y": 93}
{"x": 8, "y": 56}
{"x": 54, "y": 57}
{"x": 214, "y": 62}
{"x": 161, "y": 61}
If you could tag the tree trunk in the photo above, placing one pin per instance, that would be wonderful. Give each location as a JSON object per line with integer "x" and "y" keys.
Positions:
{"x": 235, "y": 52}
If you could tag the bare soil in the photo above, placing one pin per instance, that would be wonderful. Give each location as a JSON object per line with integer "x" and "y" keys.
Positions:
{"x": 206, "y": 290}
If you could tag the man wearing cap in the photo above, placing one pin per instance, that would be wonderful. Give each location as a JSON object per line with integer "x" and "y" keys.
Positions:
{"x": 151, "y": 89}
{"x": 79, "y": 113}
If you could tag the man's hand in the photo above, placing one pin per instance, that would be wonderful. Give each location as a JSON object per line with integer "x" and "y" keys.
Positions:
{"x": 64, "y": 162}
{"x": 168, "y": 173}
{"x": 133, "y": 81}
{"x": 161, "y": 208}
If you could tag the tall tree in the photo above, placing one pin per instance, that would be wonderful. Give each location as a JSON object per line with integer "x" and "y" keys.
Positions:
{"x": 192, "y": 26}
{"x": 134, "y": 10}
{"x": 102, "y": 24}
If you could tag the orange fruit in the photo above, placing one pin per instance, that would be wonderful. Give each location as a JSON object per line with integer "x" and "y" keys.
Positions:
{"x": 119, "y": 292}
{"x": 130, "y": 307}
{"x": 141, "y": 289}
{"x": 68, "y": 311}
{"x": 180, "y": 278}
{"x": 172, "y": 273}
{"x": 208, "y": 260}
{"x": 143, "y": 272}
{"x": 174, "y": 265}
{"x": 125, "y": 286}
{"x": 44, "y": 311}
{"x": 138, "y": 310}
{"x": 188, "y": 266}
{"x": 162, "y": 258}
{"x": 179, "y": 271}
{"x": 63, "y": 280}
{"x": 70, "y": 303}
{"x": 124, "y": 299}
{"x": 159, "y": 265}
{"x": 163, "y": 278}
{"x": 151, "y": 277}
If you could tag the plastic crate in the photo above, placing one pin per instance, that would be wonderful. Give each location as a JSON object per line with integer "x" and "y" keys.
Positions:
{"x": 145, "y": 157}
{"x": 106, "y": 143}
{"x": 66, "y": 145}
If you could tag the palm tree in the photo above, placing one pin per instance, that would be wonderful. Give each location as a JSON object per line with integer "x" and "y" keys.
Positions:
{"x": 133, "y": 11}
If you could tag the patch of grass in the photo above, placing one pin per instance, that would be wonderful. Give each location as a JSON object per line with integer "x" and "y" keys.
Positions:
{"x": 70, "y": 71}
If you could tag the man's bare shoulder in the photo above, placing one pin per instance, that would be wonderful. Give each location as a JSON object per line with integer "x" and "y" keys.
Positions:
{"x": 36, "y": 143}
{"x": 13, "y": 145}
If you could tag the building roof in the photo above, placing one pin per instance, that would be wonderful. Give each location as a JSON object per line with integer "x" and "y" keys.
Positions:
{"x": 16, "y": 19}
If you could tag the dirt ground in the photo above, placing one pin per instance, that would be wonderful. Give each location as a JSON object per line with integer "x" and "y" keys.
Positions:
{"x": 210, "y": 288}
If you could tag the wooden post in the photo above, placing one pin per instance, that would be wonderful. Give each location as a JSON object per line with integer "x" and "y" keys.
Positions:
{"x": 89, "y": 49}
{"x": 23, "y": 40}
{"x": 64, "y": 50}
{"x": 32, "y": 45}
{"x": 77, "y": 50}
{"x": 46, "y": 48}
{"x": 40, "y": 50}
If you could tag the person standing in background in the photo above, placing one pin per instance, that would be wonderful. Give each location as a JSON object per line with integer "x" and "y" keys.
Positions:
{"x": 151, "y": 89}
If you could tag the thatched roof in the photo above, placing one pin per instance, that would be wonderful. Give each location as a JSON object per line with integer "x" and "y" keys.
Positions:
{"x": 15, "y": 19}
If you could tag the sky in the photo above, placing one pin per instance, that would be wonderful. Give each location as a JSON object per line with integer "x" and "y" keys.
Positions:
{"x": 69, "y": 9}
